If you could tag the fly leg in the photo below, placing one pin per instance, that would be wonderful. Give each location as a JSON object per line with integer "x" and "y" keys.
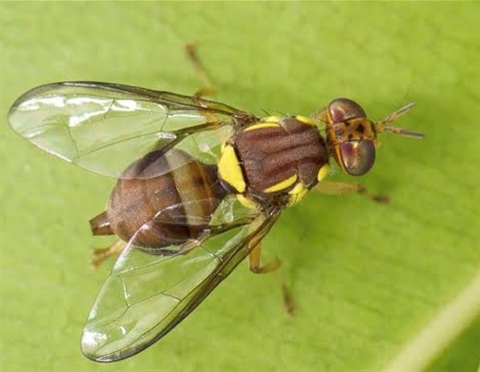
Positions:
{"x": 340, "y": 188}
{"x": 100, "y": 255}
{"x": 100, "y": 225}
{"x": 207, "y": 89}
{"x": 275, "y": 265}
{"x": 256, "y": 267}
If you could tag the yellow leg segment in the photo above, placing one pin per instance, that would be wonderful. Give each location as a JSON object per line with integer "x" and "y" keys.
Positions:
{"x": 100, "y": 255}
{"x": 254, "y": 259}
{"x": 275, "y": 265}
{"x": 340, "y": 188}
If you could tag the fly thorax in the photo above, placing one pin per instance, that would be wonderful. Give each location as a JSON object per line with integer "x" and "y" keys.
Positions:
{"x": 275, "y": 160}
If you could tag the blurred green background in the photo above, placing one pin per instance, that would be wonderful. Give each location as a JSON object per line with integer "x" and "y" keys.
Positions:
{"x": 367, "y": 279}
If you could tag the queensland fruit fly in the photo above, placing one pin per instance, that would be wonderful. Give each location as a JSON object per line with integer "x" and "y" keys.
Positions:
{"x": 199, "y": 185}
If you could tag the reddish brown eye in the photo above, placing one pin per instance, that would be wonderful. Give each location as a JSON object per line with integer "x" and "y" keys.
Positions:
{"x": 357, "y": 157}
{"x": 342, "y": 109}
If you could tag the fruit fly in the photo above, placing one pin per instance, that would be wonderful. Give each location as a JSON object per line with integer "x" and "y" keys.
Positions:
{"x": 199, "y": 185}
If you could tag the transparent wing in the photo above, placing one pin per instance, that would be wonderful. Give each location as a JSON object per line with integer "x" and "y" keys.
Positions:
{"x": 104, "y": 127}
{"x": 146, "y": 296}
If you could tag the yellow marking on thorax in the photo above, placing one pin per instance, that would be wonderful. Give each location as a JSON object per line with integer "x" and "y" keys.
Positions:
{"x": 282, "y": 185}
{"x": 260, "y": 126}
{"x": 297, "y": 193}
{"x": 229, "y": 169}
{"x": 246, "y": 202}
{"x": 305, "y": 120}
{"x": 268, "y": 122}
{"x": 322, "y": 173}
{"x": 271, "y": 119}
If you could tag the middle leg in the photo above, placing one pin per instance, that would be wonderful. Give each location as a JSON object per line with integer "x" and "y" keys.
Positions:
{"x": 275, "y": 265}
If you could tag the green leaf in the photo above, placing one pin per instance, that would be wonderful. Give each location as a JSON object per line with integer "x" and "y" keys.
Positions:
{"x": 368, "y": 280}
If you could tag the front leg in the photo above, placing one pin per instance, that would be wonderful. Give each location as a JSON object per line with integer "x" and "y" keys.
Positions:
{"x": 340, "y": 188}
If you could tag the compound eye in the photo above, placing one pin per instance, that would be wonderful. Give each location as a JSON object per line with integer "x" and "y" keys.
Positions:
{"x": 357, "y": 157}
{"x": 342, "y": 109}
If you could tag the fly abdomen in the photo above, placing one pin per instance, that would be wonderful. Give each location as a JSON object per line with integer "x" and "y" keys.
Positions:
{"x": 164, "y": 199}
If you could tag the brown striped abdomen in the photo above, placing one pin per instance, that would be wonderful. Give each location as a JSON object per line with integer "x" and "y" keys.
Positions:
{"x": 271, "y": 155}
{"x": 176, "y": 204}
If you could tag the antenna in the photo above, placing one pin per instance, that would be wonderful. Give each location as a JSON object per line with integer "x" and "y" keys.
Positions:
{"x": 381, "y": 125}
